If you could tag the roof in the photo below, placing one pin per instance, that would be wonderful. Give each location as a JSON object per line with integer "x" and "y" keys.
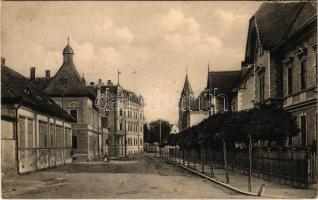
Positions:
{"x": 42, "y": 82}
{"x": 186, "y": 87}
{"x": 118, "y": 90}
{"x": 276, "y": 21}
{"x": 198, "y": 103}
{"x": 308, "y": 13}
{"x": 68, "y": 50}
{"x": 244, "y": 77}
{"x": 223, "y": 80}
{"x": 68, "y": 83}
{"x": 17, "y": 89}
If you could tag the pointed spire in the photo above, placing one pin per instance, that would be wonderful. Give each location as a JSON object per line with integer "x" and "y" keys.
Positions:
{"x": 118, "y": 73}
{"x": 208, "y": 80}
{"x": 186, "y": 87}
{"x": 68, "y": 40}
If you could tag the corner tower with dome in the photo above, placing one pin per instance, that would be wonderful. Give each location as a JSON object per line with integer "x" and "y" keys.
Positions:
{"x": 68, "y": 89}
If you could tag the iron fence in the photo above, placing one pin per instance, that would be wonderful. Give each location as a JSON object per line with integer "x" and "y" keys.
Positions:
{"x": 291, "y": 166}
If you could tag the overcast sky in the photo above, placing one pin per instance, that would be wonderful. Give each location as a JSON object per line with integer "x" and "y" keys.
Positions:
{"x": 151, "y": 43}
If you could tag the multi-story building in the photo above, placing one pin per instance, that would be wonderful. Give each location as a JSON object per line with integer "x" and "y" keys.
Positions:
{"x": 281, "y": 47}
{"x": 280, "y": 68}
{"x": 69, "y": 90}
{"x": 35, "y": 132}
{"x": 122, "y": 113}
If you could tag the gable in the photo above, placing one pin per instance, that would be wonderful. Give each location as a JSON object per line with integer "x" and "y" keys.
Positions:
{"x": 67, "y": 82}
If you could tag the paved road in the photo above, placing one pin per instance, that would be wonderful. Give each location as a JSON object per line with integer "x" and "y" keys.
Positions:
{"x": 142, "y": 176}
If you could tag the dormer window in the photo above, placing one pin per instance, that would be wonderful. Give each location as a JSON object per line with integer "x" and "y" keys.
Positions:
{"x": 64, "y": 81}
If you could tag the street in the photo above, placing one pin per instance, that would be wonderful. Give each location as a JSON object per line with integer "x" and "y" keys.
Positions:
{"x": 141, "y": 176}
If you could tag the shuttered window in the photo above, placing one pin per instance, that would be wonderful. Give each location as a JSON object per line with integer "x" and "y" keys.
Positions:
{"x": 59, "y": 136}
{"x": 22, "y": 132}
{"x": 43, "y": 134}
{"x": 30, "y": 133}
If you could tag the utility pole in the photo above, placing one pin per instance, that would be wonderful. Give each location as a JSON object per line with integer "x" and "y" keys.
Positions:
{"x": 160, "y": 130}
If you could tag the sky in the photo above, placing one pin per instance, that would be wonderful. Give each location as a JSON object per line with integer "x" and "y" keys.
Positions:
{"x": 153, "y": 44}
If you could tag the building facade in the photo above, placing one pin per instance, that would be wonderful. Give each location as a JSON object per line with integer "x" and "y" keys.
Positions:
{"x": 284, "y": 57}
{"x": 280, "y": 68}
{"x": 69, "y": 90}
{"x": 122, "y": 113}
{"x": 35, "y": 132}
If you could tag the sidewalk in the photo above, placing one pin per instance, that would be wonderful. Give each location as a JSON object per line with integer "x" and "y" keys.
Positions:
{"x": 33, "y": 182}
{"x": 240, "y": 181}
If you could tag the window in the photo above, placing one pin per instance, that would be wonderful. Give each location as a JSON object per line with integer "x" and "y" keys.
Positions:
{"x": 59, "y": 136}
{"x": 120, "y": 126}
{"x": 51, "y": 137}
{"x": 43, "y": 134}
{"x": 30, "y": 133}
{"x": 290, "y": 80}
{"x": 73, "y": 113}
{"x": 121, "y": 112}
{"x": 64, "y": 81}
{"x": 303, "y": 74}
{"x": 303, "y": 129}
{"x": 107, "y": 113}
{"x": 104, "y": 122}
{"x": 262, "y": 86}
{"x": 74, "y": 142}
{"x": 68, "y": 137}
{"x": 22, "y": 132}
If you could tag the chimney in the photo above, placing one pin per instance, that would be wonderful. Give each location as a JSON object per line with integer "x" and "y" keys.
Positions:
{"x": 47, "y": 73}
{"x": 92, "y": 83}
{"x": 32, "y": 73}
{"x": 3, "y": 61}
{"x": 109, "y": 82}
{"x": 99, "y": 81}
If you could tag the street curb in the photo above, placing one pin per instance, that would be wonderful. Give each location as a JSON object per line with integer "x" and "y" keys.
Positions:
{"x": 221, "y": 183}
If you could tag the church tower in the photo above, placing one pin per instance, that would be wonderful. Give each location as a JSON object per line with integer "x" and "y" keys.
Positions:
{"x": 185, "y": 101}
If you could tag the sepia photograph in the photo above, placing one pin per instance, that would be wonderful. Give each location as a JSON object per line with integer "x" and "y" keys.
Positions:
{"x": 159, "y": 99}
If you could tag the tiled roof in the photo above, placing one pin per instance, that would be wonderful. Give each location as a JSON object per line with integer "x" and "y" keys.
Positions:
{"x": 68, "y": 83}
{"x": 16, "y": 88}
{"x": 117, "y": 90}
{"x": 276, "y": 20}
{"x": 223, "y": 80}
{"x": 308, "y": 13}
{"x": 42, "y": 82}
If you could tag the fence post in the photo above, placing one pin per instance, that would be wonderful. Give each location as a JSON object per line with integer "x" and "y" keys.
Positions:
{"x": 225, "y": 162}
{"x": 195, "y": 157}
{"x": 211, "y": 160}
{"x": 182, "y": 156}
{"x": 250, "y": 164}
{"x": 202, "y": 161}
{"x": 188, "y": 158}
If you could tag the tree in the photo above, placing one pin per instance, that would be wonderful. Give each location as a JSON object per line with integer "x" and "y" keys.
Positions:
{"x": 154, "y": 130}
{"x": 146, "y": 133}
